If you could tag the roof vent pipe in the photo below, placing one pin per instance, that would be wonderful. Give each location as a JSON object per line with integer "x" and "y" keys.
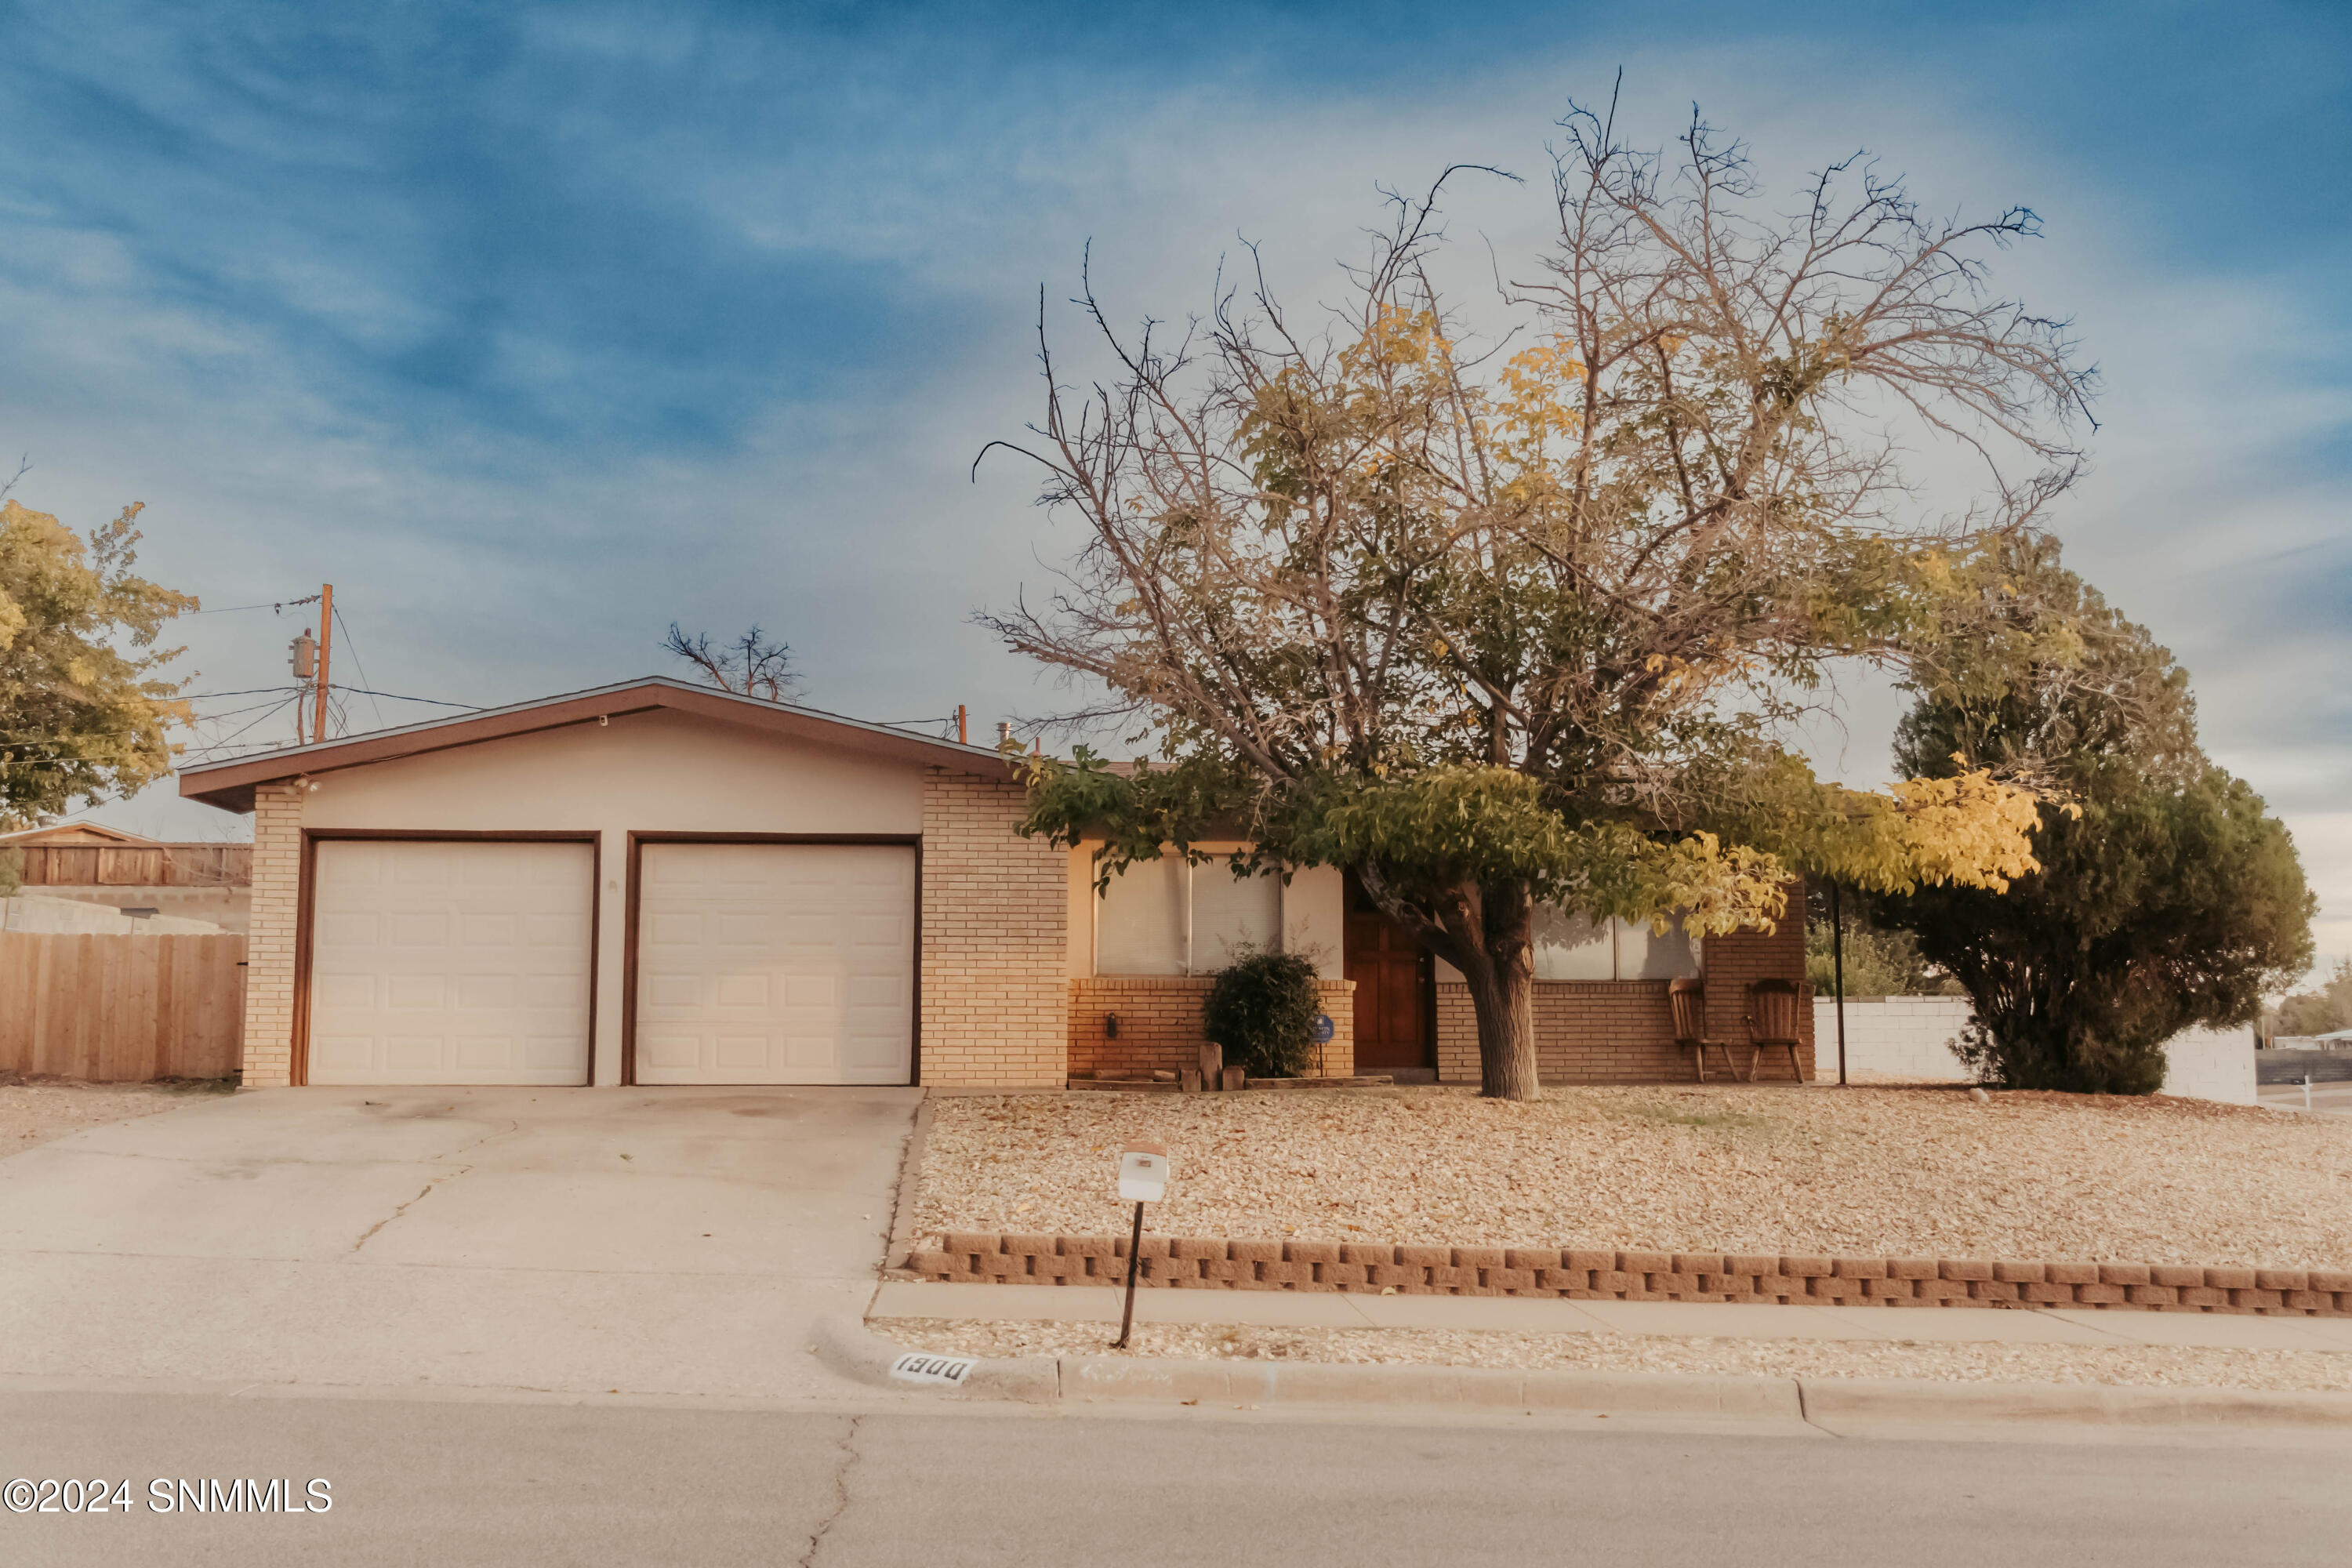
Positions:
{"x": 1003, "y": 732}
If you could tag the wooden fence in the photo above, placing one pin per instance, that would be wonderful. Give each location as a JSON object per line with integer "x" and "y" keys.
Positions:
{"x": 120, "y": 1009}
{"x": 137, "y": 865}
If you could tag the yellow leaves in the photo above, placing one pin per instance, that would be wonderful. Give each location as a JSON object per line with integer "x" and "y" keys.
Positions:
{"x": 1971, "y": 830}
{"x": 1720, "y": 890}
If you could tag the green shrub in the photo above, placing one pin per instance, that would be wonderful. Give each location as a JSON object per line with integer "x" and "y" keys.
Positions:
{"x": 1263, "y": 1010}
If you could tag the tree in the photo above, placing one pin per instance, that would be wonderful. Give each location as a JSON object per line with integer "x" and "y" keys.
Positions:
{"x": 1877, "y": 962}
{"x": 751, "y": 665}
{"x": 2167, "y": 898}
{"x": 84, "y": 711}
{"x": 1496, "y": 627}
{"x": 2320, "y": 1012}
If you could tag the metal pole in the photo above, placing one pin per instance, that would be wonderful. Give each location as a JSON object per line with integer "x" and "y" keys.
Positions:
{"x": 1837, "y": 960}
{"x": 1134, "y": 1260}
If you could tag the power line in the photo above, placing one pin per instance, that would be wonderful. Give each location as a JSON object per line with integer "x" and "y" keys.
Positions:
{"x": 250, "y": 691}
{"x": 278, "y": 708}
{"x": 273, "y": 605}
{"x": 396, "y": 696}
{"x": 362, "y": 665}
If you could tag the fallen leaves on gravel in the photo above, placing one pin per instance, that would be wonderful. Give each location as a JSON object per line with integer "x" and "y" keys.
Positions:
{"x": 1876, "y": 1171}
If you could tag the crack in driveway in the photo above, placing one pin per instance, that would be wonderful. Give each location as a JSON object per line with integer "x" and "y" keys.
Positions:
{"x": 840, "y": 1494}
{"x": 423, "y": 1193}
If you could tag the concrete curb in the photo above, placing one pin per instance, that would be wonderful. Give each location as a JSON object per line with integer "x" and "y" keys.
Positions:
{"x": 856, "y": 1352}
{"x": 1910, "y": 1400}
{"x": 901, "y": 1245}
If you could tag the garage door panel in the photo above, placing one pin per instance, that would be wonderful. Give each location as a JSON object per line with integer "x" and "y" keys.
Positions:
{"x": 458, "y": 963}
{"x": 801, "y": 958}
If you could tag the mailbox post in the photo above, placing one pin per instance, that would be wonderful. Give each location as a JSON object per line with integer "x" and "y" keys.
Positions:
{"x": 1142, "y": 1179}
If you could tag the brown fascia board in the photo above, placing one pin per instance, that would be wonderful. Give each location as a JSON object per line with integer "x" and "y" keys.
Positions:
{"x": 231, "y": 785}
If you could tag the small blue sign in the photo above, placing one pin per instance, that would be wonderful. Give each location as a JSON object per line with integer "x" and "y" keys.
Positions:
{"x": 1323, "y": 1028}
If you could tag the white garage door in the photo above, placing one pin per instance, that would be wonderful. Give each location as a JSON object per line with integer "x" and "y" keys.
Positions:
{"x": 448, "y": 961}
{"x": 775, "y": 963}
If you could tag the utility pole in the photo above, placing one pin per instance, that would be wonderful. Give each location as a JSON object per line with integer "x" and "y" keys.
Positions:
{"x": 326, "y": 640}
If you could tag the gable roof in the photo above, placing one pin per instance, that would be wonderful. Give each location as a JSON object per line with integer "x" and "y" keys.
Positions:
{"x": 230, "y": 784}
{"x": 73, "y": 833}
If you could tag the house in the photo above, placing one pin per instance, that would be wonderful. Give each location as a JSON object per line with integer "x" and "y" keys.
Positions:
{"x": 661, "y": 883}
{"x": 85, "y": 863}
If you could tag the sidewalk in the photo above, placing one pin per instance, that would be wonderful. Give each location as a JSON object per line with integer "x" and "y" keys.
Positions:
{"x": 1698, "y": 1320}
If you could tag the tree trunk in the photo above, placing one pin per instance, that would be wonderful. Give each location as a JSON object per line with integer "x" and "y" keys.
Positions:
{"x": 1504, "y": 1002}
{"x": 1487, "y": 931}
{"x": 1497, "y": 957}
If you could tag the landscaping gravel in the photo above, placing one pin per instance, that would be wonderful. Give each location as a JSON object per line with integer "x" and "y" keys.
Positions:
{"x": 35, "y": 1110}
{"x": 2121, "y": 1364}
{"x": 1857, "y": 1171}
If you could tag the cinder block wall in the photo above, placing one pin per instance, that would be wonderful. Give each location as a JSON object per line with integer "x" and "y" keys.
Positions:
{"x": 1622, "y": 1031}
{"x": 996, "y": 933}
{"x": 1910, "y": 1035}
{"x": 269, "y": 1054}
{"x": 1160, "y": 1028}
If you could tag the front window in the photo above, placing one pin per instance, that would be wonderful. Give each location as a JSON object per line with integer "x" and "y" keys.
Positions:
{"x": 1165, "y": 917}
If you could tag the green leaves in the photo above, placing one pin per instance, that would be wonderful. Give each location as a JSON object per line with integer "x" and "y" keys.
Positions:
{"x": 82, "y": 712}
{"x": 2165, "y": 895}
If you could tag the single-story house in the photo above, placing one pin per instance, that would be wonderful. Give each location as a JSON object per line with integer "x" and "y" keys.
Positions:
{"x": 662, "y": 883}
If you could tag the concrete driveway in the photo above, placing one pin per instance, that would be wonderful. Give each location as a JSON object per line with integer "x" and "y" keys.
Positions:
{"x": 665, "y": 1241}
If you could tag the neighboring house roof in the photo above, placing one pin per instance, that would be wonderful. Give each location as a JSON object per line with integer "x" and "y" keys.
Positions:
{"x": 230, "y": 784}
{"x": 73, "y": 833}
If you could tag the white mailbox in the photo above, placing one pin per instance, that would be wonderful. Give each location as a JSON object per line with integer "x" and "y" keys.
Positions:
{"x": 1143, "y": 1174}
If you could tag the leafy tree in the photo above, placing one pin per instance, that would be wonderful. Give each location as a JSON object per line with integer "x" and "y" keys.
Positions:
{"x": 84, "y": 711}
{"x": 1494, "y": 630}
{"x": 751, "y": 665}
{"x": 2320, "y": 1012}
{"x": 2166, "y": 897}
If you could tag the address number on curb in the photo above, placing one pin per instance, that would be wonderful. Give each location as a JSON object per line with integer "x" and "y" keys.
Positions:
{"x": 916, "y": 1367}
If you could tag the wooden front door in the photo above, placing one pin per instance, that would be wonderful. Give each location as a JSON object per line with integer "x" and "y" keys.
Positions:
{"x": 1392, "y": 974}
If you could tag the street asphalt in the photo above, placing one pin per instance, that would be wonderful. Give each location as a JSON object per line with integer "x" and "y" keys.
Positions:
{"x": 452, "y": 1483}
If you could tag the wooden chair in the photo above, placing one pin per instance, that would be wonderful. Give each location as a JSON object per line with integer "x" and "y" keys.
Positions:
{"x": 1772, "y": 1025}
{"x": 1688, "y": 1000}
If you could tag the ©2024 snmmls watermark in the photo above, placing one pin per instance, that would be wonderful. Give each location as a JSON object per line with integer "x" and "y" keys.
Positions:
{"x": 167, "y": 1495}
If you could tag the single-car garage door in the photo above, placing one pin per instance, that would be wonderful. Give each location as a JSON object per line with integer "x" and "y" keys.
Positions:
{"x": 450, "y": 962}
{"x": 775, "y": 963}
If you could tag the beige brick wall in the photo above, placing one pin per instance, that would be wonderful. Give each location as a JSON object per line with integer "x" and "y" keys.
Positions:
{"x": 995, "y": 935}
{"x": 1622, "y": 1031}
{"x": 269, "y": 1056}
{"x": 1160, "y": 1028}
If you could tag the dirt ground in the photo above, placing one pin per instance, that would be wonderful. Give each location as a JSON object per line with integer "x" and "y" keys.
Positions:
{"x": 34, "y": 1111}
{"x": 1873, "y": 1171}
{"x": 2118, "y": 1364}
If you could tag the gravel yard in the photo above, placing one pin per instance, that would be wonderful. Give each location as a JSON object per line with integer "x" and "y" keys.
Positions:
{"x": 1868, "y": 1171}
{"x": 35, "y": 1110}
{"x": 2125, "y": 1365}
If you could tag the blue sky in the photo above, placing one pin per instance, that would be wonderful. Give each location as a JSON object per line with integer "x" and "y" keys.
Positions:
{"x": 533, "y": 328}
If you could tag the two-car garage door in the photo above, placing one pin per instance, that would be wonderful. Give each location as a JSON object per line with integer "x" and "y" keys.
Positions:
{"x": 471, "y": 962}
